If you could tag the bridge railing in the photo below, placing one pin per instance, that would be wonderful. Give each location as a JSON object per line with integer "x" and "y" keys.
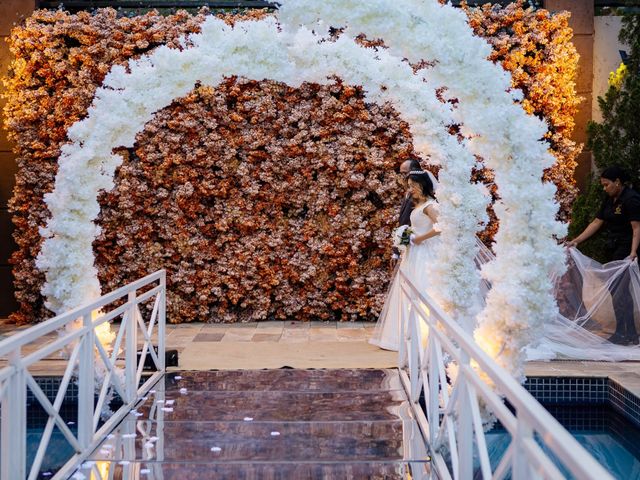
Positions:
{"x": 97, "y": 369}
{"x": 439, "y": 358}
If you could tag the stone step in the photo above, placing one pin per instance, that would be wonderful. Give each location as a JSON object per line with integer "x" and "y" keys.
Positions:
{"x": 278, "y": 406}
{"x": 271, "y": 424}
{"x": 261, "y": 471}
{"x": 257, "y": 441}
{"x": 332, "y": 380}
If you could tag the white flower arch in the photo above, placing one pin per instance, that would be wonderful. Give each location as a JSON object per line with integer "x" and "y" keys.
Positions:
{"x": 285, "y": 50}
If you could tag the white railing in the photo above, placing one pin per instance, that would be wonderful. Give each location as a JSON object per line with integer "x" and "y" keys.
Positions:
{"x": 452, "y": 422}
{"x": 148, "y": 431}
{"x": 79, "y": 343}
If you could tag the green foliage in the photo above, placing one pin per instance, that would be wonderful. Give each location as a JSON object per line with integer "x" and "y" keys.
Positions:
{"x": 615, "y": 140}
{"x": 584, "y": 211}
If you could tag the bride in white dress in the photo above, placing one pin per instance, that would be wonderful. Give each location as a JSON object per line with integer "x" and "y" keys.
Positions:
{"x": 415, "y": 260}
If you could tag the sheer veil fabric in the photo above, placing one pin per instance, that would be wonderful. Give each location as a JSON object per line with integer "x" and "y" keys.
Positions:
{"x": 590, "y": 296}
{"x": 587, "y": 294}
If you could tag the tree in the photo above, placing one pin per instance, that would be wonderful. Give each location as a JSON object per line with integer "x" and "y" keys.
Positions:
{"x": 616, "y": 139}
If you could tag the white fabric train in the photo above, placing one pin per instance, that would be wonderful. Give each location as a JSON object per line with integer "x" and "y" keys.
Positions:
{"x": 587, "y": 294}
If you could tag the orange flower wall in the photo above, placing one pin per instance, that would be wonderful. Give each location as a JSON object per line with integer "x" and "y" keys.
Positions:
{"x": 261, "y": 201}
{"x": 535, "y": 46}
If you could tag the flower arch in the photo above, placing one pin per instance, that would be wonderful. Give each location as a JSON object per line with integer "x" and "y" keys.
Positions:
{"x": 283, "y": 50}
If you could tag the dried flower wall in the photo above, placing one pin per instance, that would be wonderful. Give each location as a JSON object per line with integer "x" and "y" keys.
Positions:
{"x": 535, "y": 46}
{"x": 60, "y": 60}
{"x": 260, "y": 200}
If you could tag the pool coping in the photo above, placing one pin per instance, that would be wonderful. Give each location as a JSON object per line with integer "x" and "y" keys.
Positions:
{"x": 616, "y": 384}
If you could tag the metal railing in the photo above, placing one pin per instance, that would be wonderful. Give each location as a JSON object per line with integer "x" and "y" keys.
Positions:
{"x": 147, "y": 431}
{"x": 84, "y": 352}
{"x": 458, "y": 401}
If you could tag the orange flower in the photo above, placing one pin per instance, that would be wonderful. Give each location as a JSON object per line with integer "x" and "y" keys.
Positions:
{"x": 261, "y": 200}
{"x": 535, "y": 46}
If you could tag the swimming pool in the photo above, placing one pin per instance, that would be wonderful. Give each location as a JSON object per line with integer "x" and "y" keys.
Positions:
{"x": 613, "y": 440}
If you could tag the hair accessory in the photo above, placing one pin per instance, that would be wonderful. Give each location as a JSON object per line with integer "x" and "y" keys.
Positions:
{"x": 434, "y": 182}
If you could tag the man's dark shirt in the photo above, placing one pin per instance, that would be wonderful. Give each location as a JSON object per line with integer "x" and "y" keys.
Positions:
{"x": 618, "y": 216}
{"x": 405, "y": 211}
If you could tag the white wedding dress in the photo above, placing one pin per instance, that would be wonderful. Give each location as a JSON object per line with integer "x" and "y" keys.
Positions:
{"x": 585, "y": 294}
{"x": 414, "y": 263}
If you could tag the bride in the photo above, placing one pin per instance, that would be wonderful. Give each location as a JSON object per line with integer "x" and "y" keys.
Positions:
{"x": 585, "y": 293}
{"x": 414, "y": 260}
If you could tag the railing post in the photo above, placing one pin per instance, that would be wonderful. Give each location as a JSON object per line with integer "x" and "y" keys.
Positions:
{"x": 14, "y": 422}
{"x": 433, "y": 382}
{"x": 160, "y": 395}
{"x": 521, "y": 467}
{"x": 414, "y": 355}
{"x": 86, "y": 383}
{"x": 162, "y": 319}
{"x": 129, "y": 438}
{"x": 131, "y": 347}
{"x": 465, "y": 423}
{"x": 402, "y": 345}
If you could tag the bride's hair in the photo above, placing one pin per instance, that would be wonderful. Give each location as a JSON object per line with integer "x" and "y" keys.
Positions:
{"x": 422, "y": 179}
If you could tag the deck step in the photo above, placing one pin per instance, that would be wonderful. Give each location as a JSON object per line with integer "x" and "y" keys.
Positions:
{"x": 276, "y": 424}
{"x": 260, "y": 471}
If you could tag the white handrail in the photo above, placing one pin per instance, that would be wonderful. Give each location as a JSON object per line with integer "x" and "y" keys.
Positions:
{"x": 452, "y": 422}
{"x": 86, "y": 353}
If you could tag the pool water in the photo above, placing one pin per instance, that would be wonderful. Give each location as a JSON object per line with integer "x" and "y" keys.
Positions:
{"x": 612, "y": 439}
{"x": 59, "y": 450}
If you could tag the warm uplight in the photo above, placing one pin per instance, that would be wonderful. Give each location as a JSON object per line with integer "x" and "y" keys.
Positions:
{"x": 102, "y": 467}
{"x": 103, "y": 331}
{"x": 491, "y": 345}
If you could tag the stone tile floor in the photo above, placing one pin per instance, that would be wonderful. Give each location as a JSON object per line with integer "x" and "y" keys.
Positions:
{"x": 274, "y": 344}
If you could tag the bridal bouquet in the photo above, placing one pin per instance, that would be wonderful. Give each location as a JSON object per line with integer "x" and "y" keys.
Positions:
{"x": 402, "y": 237}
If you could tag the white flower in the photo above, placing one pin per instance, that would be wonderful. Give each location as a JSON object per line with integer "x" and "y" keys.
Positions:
{"x": 401, "y": 237}
{"x": 298, "y": 50}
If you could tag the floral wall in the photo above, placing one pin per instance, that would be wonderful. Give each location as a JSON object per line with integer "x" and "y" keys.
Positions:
{"x": 260, "y": 200}
{"x": 535, "y": 46}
